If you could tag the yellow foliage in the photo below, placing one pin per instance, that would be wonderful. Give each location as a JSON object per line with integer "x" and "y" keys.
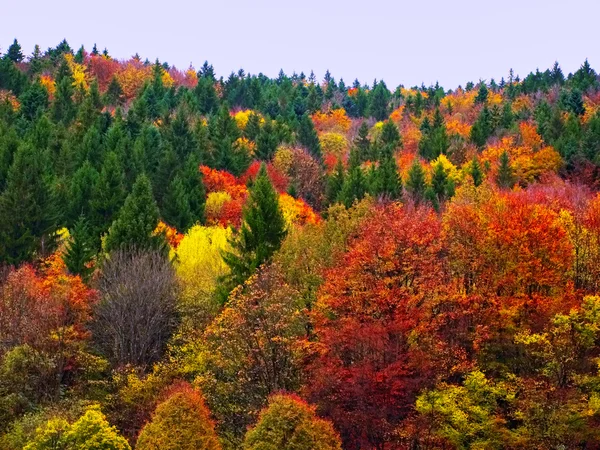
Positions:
{"x": 48, "y": 82}
{"x": 78, "y": 71}
{"x": 241, "y": 118}
{"x": 215, "y": 202}
{"x": 296, "y": 212}
{"x": 283, "y": 159}
{"x": 450, "y": 169}
{"x": 522, "y": 103}
{"x": 245, "y": 144}
{"x": 456, "y": 126}
{"x": 199, "y": 264}
{"x": 167, "y": 79}
{"x": 333, "y": 143}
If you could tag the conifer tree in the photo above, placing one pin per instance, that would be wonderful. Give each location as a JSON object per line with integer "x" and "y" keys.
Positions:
{"x": 307, "y": 137}
{"x": 176, "y": 206}
{"x": 355, "y": 184}
{"x": 416, "y": 184}
{"x": 262, "y": 232}
{"x": 335, "y": 182}
{"x": 136, "y": 220}
{"x": 379, "y": 99}
{"x": 14, "y": 52}
{"x": 109, "y": 194}
{"x": 266, "y": 142}
{"x": 29, "y": 215}
{"x": 505, "y": 177}
{"x": 482, "y": 94}
{"x": 476, "y": 172}
{"x": 482, "y": 128}
{"x": 80, "y": 249}
{"x": 363, "y": 143}
{"x": 387, "y": 182}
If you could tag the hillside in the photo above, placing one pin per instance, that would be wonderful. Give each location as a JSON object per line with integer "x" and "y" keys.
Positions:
{"x": 192, "y": 261}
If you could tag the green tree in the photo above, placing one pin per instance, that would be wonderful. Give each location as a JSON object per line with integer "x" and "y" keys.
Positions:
{"x": 14, "y": 52}
{"x": 482, "y": 94}
{"x": 379, "y": 99}
{"x": 335, "y": 182}
{"x": 288, "y": 423}
{"x": 363, "y": 143}
{"x": 29, "y": 215}
{"x": 505, "y": 177}
{"x": 90, "y": 432}
{"x": 355, "y": 183}
{"x": 136, "y": 220}
{"x": 109, "y": 194}
{"x": 176, "y": 205}
{"x": 482, "y": 128}
{"x": 416, "y": 184}
{"x": 266, "y": 142}
{"x": 263, "y": 229}
{"x": 79, "y": 251}
{"x": 308, "y": 138}
{"x": 476, "y": 172}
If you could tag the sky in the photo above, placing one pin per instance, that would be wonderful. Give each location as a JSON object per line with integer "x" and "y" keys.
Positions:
{"x": 401, "y": 42}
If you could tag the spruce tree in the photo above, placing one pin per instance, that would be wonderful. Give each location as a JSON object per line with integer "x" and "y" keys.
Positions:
{"x": 194, "y": 186}
{"x": 482, "y": 128}
{"x": 266, "y": 142}
{"x": 176, "y": 206}
{"x": 505, "y": 177}
{"x": 387, "y": 181}
{"x": 363, "y": 143}
{"x": 262, "y": 232}
{"x": 109, "y": 194}
{"x": 379, "y": 99}
{"x": 476, "y": 172}
{"x": 416, "y": 184}
{"x": 14, "y": 52}
{"x": 482, "y": 94}
{"x": 136, "y": 220}
{"x": 355, "y": 184}
{"x": 335, "y": 182}
{"x": 390, "y": 136}
{"x": 80, "y": 249}
{"x": 439, "y": 182}
{"x": 29, "y": 215}
{"x": 308, "y": 138}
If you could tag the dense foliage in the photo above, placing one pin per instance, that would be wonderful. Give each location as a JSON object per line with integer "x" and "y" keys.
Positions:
{"x": 188, "y": 261}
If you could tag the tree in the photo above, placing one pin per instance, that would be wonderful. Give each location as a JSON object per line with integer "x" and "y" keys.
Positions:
{"x": 482, "y": 94}
{"x": 250, "y": 350}
{"x": 181, "y": 422}
{"x": 261, "y": 234}
{"x": 79, "y": 251}
{"x": 482, "y": 128}
{"x": 416, "y": 184}
{"x": 176, "y": 210}
{"x": 362, "y": 142}
{"x": 289, "y": 423}
{"x": 505, "y": 177}
{"x": 387, "y": 180}
{"x": 137, "y": 311}
{"x": 476, "y": 172}
{"x": 136, "y": 220}
{"x": 308, "y": 138}
{"x": 335, "y": 182}
{"x": 266, "y": 142}
{"x": 365, "y": 375}
{"x": 109, "y": 195}
{"x": 29, "y": 216}
{"x": 355, "y": 183}
{"x": 14, "y": 52}
{"x": 441, "y": 185}
{"x": 378, "y": 101}
{"x": 90, "y": 432}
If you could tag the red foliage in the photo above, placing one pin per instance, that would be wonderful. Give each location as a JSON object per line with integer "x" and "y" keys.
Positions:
{"x": 103, "y": 69}
{"x": 280, "y": 181}
{"x": 365, "y": 375}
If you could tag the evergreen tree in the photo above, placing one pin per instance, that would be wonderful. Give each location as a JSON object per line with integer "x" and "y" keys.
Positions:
{"x": 363, "y": 143}
{"x": 109, "y": 194}
{"x": 34, "y": 101}
{"x": 505, "y": 178}
{"x": 476, "y": 172}
{"x": 390, "y": 136}
{"x": 63, "y": 108}
{"x": 136, "y": 220}
{"x": 387, "y": 182}
{"x": 14, "y": 52}
{"x": 176, "y": 206}
{"x": 482, "y": 128}
{"x": 194, "y": 186}
{"x": 262, "y": 232}
{"x": 440, "y": 182}
{"x": 416, "y": 184}
{"x": 79, "y": 250}
{"x": 29, "y": 214}
{"x": 482, "y": 94}
{"x": 252, "y": 129}
{"x": 378, "y": 101}
{"x": 434, "y": 141}
{"x": 308, "y": 138}
{"x": 266, "y": 142}
{"x": 355, "y": 184}
{"x": 81, "y": 189}
{"x": 335, "y": 182}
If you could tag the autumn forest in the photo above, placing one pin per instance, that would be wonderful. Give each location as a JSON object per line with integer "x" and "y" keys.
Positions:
{"x": 192, "y": 261}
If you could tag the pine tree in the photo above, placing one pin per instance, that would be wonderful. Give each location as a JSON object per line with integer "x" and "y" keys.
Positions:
{"x": 378, "y": 101}
{"x": 482, "y": 128}
{"x": 476, "y": 172}
{"x": 29, "y": 214}
{"x": 262, "y": 232}
{"x": 363, "y": 143}
{"x": 390, "y": 134}
{"x": 355, "y": 185}
{"x": 482, "y": 94}
{"x": 505, "y": 178}
{"x": 14, "y": 52}
{"x": 387, "y": 182}
{"x": 136, "y": 220}
{"x": 266, "y": 142}
{"x": 79, "y": 250}
{"x": 335, "y": 182}
{"x": 109, "y": 194}
{"x": 439, "y": 182}
{"x": 308, "y": 138}
{"x": 63, "y": 108}
{"x": 416, "y": 184}
{"x": 176, "y": 206}
{"x": 252, "y": 129}
{"x": 81, "y": 189}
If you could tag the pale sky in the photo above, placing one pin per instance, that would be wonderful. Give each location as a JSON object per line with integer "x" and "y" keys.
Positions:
{"x": 408, "y": 42}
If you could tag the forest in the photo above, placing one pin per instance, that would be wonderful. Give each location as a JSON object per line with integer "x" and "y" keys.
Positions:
{"x": 190, "y": 261}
